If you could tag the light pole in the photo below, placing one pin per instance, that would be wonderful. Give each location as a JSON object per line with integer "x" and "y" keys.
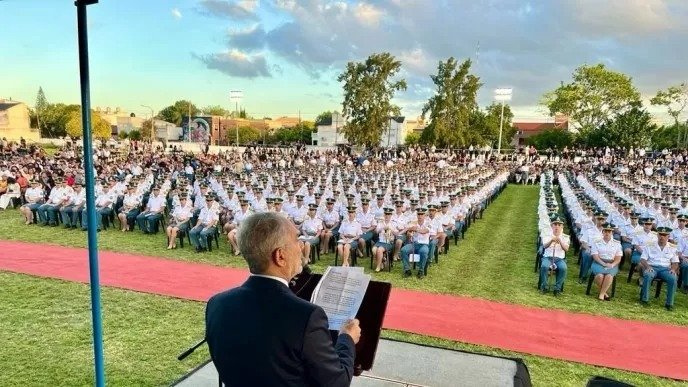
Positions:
{"x": 502, "y": 95}
{"x": 152, "y": 136}
{"x": 236, "y": 96}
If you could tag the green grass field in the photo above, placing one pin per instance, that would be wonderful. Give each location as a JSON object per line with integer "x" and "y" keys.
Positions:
{"x": 494, "y": 262}
{"x": 45, "y": 329}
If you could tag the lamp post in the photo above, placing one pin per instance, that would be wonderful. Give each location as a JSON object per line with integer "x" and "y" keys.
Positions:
{"x": 502, "y": 95}
{"x": 152, "y": 136}
{"x": 236, "y": 96}
{"x": 94, "y": 275}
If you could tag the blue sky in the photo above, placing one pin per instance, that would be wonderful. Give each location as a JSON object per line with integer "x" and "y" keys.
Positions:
{"x": 285, "y": 54}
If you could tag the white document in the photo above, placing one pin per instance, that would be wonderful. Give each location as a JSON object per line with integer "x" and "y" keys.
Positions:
{"x": 414, "y": 257}
{"x": 340, "y": 293}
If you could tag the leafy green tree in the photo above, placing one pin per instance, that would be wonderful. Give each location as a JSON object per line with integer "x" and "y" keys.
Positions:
{"x": 666, "y": 136}
{"x": 412, "y": 138}
{"x": 452, "y": 105}
{"x": 675, "y": 99}
{"x": 41, "y": 105}
{"x": 552, "y": 139}
{"x": 242, "y": 113}
{"x": 175, "y": 112}
{"x": 135, "y": 135}
{"x": 368, "y": 91}
{"x": 215, "y": 110}
{"x": 100, "y": 128}
{"x": 493, "y": 117}
{"x": 146, "y": 127}
{"x": 323, "y": 117}
{"x": 595, "y": 96}
{"x": 632, "y": 128}
{"x": 246, "y": 134}
{"x": 54, "y": 119}
{"x": 123, "y": 135}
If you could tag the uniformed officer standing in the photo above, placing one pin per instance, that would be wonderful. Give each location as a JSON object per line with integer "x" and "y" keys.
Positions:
{"x": 660, "y": 260}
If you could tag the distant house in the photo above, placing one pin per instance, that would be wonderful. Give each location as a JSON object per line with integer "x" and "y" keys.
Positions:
{"x": 329, "y": 132}
{"x": 525, "y": 129}
{"x": 15, "y": 122}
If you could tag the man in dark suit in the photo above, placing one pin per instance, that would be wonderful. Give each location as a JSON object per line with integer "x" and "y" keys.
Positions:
{"x": 261, "y": 334}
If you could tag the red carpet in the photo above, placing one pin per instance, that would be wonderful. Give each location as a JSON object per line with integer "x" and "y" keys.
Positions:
{"x": 631, "y": 345}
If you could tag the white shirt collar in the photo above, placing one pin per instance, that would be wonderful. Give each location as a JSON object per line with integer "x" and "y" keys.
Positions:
{"x": 282, "y": 280}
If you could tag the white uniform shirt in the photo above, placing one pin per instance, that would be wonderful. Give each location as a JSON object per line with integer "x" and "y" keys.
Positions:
{"x": 607, "y": 250}
{"x": 366, "y": 219}
{"x": 350, "y": 228}
{"x": 555, "y": 250}
{"x": 330, "y": 218}
{"x": 423, "y": 237}
{"x": 643, "y": 239}
{"x": 656, "y": 256}
{"x": 381, "y": 226}
{"x": 156, "y": 203}
{"x": 312, "y": 226}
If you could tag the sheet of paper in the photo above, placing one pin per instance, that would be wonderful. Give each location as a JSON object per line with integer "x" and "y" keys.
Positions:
{"x": 340, "y": 293}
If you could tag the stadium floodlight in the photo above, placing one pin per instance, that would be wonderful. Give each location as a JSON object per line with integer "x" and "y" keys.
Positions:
{"x": 502, "y": 95}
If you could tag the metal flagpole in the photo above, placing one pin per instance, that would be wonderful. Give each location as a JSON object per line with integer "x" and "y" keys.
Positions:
{"x": 90, "y": 193}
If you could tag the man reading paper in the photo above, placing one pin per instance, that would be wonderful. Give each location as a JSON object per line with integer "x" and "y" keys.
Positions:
{"x": 261, "y": 334}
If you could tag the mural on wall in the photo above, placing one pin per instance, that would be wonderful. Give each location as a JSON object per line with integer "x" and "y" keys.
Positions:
{"x": 198, "y": 130}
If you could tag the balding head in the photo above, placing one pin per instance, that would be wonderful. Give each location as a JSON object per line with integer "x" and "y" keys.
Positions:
{"x": 268, "y": 241}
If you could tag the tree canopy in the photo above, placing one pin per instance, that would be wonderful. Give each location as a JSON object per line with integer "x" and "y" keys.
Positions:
{"x": 100, "y": 128}
{"x": 215, "y": 110}
{"x": 595, "y": 96}
{"x": 176, "y": 111}
{"x": 452, "y": 105}
{"x": 368, "y": 91}
{"x": 246, "y": 134}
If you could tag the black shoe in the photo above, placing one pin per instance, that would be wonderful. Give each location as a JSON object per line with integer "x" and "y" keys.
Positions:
{"x": 644, "y": 303}
{"x": 557, "y": 293}
{"x": 669, "y": 307}
{"x": 198, "y": 249}
{"x": 420, "y": 274}
{"x": 407, "y": 273}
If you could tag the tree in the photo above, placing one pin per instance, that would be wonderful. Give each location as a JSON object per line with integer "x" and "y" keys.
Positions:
{"x": 452, "y": 105}
{"x": 368, "y": 91}
{"x": 216, "y": 110}
{"x": 246, "y": 134}
{"x": 135, "y": 135}
{"x": 632, "y": 128}
{"x": 41, "y": 105}
{"x": 242, "y": 113}
{"x": 665, "y": 137}
{"x": 325, "y": 116}
{"x": 175, "y": 112}
{"x": 412, "y": 138}
{"x": 146, "y": 129}
{"x": 54, "y": 119}
{"x": 100, "y": 128}
{"x": 595, "y": 96}
{"x": 551, "y": 139}
{"x": 675, "y": 99}
{"x": 493, "y": 117}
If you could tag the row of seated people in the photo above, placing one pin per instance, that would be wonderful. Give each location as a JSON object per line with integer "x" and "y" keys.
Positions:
{"x": 607, "y": 231}
{"x": 146, "y": 208}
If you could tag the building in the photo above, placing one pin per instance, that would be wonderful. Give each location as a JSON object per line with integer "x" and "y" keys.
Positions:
{"x": 415, "y": 126}
{"x": 167, "y": 131}
{"x": 395, "y": 135}
{"x": 528, "y": 128}
{"x": 328, "y": 132}
{"x": 15, "y": 122}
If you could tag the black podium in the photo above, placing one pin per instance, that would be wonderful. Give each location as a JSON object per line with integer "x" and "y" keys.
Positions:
{"x": 371, "y": 315}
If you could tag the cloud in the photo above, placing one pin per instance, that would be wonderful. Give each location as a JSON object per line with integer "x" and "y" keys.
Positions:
{"x": 528, "y": 45}
{"x": 176, "y": 13}
{"x": 237, "y": 64}
{"x": 235, "y": 10}
{"x": 250, "y": 38}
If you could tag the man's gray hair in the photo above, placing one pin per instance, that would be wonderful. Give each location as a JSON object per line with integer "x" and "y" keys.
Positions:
{"x": 259, "y": 235}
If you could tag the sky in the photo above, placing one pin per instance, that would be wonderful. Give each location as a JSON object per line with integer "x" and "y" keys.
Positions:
{"x": 285, "y": 55}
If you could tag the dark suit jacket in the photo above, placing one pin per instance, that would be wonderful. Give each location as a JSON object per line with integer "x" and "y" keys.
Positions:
{"x": 261, "y": 334}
